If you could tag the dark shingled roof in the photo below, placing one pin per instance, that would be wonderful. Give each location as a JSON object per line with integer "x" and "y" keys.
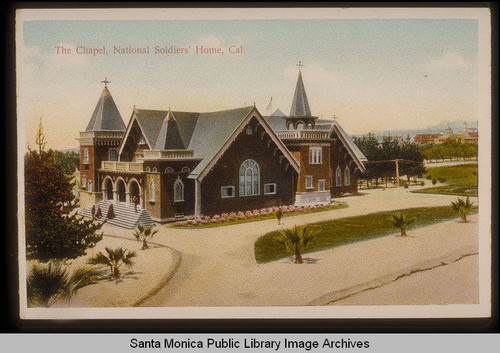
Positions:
{"x": 169, "y": 137}
{"x": 203, "y": 133}
{"x": 106, "y": 116}
{"x": 300, "y": 105}
{"x": 211, "y": 133}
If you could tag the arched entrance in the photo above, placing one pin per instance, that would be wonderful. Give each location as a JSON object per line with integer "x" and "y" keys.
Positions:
{"x": 120, "y": 189}
{"x": 134, "y": 192}
{"x": 108, "y": 189}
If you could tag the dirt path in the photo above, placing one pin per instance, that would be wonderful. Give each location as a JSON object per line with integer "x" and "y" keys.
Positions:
{"x": 218, "y": 266}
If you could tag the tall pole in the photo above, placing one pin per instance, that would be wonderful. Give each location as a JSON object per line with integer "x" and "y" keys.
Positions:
{"x": 397, "y": 172}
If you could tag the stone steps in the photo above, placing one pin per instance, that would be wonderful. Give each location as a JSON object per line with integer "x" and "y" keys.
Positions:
{"x": 125, "y": 215}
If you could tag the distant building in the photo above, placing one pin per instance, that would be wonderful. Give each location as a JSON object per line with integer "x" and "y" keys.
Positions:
{"x": 469, "y": 135}
{"x": 178, "y": 165}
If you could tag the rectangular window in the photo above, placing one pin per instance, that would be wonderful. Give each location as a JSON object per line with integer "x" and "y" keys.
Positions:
{"x": 270, "y": 189}
{"x": 84, "y": 181}
{"x": 113, "y": 154}
{"x": 90, "y": 186}
{"x": 86, "y": 156}
{"x": 227, "y": 191}
{"x": 315, "y": 155}
{"x": 309, "y": 182}
{"x": 322, "y": 185}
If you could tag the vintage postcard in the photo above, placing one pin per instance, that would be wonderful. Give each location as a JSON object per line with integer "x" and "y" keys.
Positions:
{"x": 254, "y": 163}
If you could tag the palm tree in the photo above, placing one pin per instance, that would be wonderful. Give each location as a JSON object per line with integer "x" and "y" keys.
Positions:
{"x": 463, "y": 208}
{"x": 296, "y": 240}
{"x": 143, "y": 233}
{"x": 46, "y": 284}
{"x": 401, "y": 221}
{"x": 114, "y": 258}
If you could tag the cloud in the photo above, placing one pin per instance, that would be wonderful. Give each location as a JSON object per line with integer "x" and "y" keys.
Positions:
{"x": 448, "y": 62}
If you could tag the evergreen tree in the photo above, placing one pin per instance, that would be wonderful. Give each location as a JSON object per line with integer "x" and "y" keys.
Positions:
{"x": 53, "y": 230}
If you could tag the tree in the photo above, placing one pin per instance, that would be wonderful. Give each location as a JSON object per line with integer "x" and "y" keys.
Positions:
{"x": 114, "y": 258}
{"x": 53, "y": 230}
{"x": 143, "y": 233}
{"x": 296, "y": 240}
{"x": 47, "y": 284}
{"x": 401, "y": 221}
{"x": 68, "y": 161}
{"x": 463, "y": 208}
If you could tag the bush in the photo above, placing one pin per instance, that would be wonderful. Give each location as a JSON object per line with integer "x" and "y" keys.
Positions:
{"x": 434, "y": 181}
{"x": 406, "y": 185}
{"x": 442, "y": 180}
{"x": 428, "y": 177}
{"x": 422, "y": 183}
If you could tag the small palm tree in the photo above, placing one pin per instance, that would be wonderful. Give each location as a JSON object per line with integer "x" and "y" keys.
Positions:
{"x": 143, "y": 233}
{"x": 296, "y": 240}
{"x": 463, "y": 208}
{"x": 46, "y": 284}
{"x": 401, "y": 221}
{"x": 114, "y": 258}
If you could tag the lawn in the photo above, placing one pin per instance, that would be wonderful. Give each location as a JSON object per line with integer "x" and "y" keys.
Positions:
{"x": 460, "y": 179}
{"x": 353, "y": 229}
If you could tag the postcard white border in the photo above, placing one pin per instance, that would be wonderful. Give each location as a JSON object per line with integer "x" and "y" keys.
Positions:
{"x": 482, "y": 15}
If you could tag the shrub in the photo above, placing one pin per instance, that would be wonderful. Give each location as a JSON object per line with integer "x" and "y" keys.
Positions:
{"x": 422, "y": 183}
{"x": 442, "y": 180}
{"x": 406, "y": 185}
{"x": 428, "y": 177}
{"x": 434, "y": 181}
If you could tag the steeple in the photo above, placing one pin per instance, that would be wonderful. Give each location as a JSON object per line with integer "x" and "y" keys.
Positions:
{"x": 300, "y": 105}
{"x": 106, "y": 116}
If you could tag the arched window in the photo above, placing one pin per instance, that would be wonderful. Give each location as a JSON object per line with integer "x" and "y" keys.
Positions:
{"x": 300, "y": 126}
{"x": 152, "y": 191}
{"x": 185, "y": 170}
{"x": 155, "y": 170}
{"x": 249, "y": 178}
{"x": 169, "y": 170}
{"x": 178, "y": 190}
{"x": 347, "y": 176}
{"x": 338, "y": 177}
{"x": 148, "y": 170}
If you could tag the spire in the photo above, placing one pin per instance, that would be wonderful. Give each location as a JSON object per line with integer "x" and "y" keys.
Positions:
{"x": 300, "y": 105}
{"x": 106, "y": 115}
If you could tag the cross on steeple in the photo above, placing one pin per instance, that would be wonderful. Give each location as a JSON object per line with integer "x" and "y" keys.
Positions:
{"x": 300, "y": 64}
{"x": 106, "y": 82}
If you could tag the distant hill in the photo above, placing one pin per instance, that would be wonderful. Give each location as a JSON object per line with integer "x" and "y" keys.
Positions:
{"x": 456, "y": 126}
{"x": 64, "y": 150}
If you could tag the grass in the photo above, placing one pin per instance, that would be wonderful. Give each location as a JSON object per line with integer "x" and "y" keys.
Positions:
{"x": 460, "y": 180}
{"x": 257, "y": 218}
{"x": 353, "y": 229}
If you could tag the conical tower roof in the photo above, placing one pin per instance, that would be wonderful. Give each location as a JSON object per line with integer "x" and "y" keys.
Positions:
{"x": 106, "y": 116}
{"x": 300, "y": 105}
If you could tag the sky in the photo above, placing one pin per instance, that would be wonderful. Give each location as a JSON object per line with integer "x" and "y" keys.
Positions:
{"x": 371, "y": 74}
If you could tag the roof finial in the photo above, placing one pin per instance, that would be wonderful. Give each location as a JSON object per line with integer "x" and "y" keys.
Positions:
{"x": 254, "y": 103}
{"x": 300, "y": 65}
{"x": 106, "y": 82}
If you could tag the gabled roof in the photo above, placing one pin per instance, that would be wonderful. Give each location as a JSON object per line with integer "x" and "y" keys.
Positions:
{"x": 349, "y": 144}
{"x": 106, "y": 116}
{"x": 300, "y": 105}
{"x": 278, "y": 112}
{"x": 204, "y": 133}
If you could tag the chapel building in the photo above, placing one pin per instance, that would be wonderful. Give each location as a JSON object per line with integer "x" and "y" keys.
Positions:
{"x": 169, "y": 165}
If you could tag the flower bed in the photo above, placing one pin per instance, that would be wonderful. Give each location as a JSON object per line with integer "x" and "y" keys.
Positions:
{"x": 255, "y": 215}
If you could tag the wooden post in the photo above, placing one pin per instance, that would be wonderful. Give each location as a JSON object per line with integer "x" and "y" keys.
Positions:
{"x": 397, "y": 172}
